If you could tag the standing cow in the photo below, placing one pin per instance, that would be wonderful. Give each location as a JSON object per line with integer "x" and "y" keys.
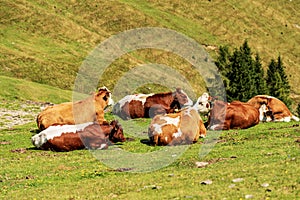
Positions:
{"x": 149, "y": 105}
{"x": 184, "y": 127}
{"x": 79, "y": 136}
{"x": 279, "y": 110}
{"x": 90, "y": 109}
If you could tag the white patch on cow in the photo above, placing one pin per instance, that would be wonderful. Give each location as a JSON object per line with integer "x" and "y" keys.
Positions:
{"x": 168, "y": 121}
{"x": 166, "y": 138}
{"x": 125, "y": 100}
{"x": 213, "y": 127}
{"x": 295, "y": 118}
{"x": 157, "y": 128}
{"x": 110, "y": 101}
{"x": 102, "y": 146}
{"x": 263, "y": 114}
{"x": 104, "y": 88}
{"x": 178, "y": 134}
{"x": 284, "y": 119}
{"x": 262, "y": 110}
{"x": 267, "y": 96}
{"x": 172, "y": 120}
{"x": 54, "y": 131}
{"x": 136, "y": 97}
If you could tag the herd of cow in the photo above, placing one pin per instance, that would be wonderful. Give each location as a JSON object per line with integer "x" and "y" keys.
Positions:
{"x": 175, "y": 119}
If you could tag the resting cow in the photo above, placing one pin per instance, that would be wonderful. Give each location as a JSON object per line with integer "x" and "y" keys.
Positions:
{"x": 149, "y": 105}
{"x": 90, "y": 109}
{"x": 280, "y": 111}
{"x": 80, "y": 136}
{"x": 183, "y": 127}
{"x": 234, "y": 115}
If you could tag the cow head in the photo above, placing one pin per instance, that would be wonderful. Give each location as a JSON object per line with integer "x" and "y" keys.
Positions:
{"x": 39, "y": 139}
{"x": 116, "y": 133}
{"x": 203, "y": 103}
{"x": 181, "y": 99}
{"x": 103, "y": 96}
{"x": 265, "y": 113}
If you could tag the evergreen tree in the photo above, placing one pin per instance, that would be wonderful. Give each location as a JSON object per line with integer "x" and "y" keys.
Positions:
{"x": 278, "y": 82}
{"x": 242, "y": 75}
{"x": 223, "y": 60}
{"x": 223, "y": 64}
{"x": 242, "y": 84}
{"x": 260, "y": 80}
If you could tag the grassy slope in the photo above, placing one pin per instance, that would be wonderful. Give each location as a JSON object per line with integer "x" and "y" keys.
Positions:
{"x": 46, "y": 42}
{"x": 256, "y": 155}
{"x": 17, "y": 89}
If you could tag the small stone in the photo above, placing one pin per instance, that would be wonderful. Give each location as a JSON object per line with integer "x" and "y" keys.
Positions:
{"x": 231, "y": 186}
{"x": 201, "y": 164}
{"x": 206, "y": 182}
{"x": 265, "y": 185}
{"x": 237, "y": 180}
{"x": 156, "y": 187}
{"x": 248, "y": 196}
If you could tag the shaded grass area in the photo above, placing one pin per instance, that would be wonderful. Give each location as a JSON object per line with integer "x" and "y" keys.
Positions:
{"x": 265, "y": 154}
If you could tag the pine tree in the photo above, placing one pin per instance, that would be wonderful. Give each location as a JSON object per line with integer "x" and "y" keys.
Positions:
{"x": 241, "y": 75}
{"x": 223, "y": 60}
{"x": 260, "y": 80}
{"x": 223, "y": 64}
{"x": 278, "y": 82}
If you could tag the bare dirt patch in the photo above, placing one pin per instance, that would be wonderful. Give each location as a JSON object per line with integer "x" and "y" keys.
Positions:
{"x": 15, "y": 113}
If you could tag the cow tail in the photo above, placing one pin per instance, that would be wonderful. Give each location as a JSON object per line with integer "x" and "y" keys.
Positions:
{"x": 295, "y": 118}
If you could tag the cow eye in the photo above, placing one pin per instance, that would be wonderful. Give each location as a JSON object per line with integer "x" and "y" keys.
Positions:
{"x": 200, "y": 103}
{"x": 105, "y": 98}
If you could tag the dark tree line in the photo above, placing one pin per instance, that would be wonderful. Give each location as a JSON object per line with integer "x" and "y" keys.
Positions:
{"x": 244, "y": 76}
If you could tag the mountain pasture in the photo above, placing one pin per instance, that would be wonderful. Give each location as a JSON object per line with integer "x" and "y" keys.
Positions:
{"x": 260, "y": 162}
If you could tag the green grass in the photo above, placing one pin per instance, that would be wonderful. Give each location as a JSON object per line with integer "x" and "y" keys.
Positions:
{"x": 18, "y": 89}
{"x": 266, "y": 153}
{"x": 46, "y": 42}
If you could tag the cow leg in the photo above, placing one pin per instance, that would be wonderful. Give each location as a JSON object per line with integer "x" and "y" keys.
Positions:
{"x": 218, "y": 127}
{"x": 202, "y": 129}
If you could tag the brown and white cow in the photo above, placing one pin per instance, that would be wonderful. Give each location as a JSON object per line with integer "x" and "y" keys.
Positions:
{"x": 184, "y": 127}
{"x": 149, "y": 105}
{"x": 234, "y": 115}
{"x": 280, "y": 111}
{"x": 74, "y": 137}
{"x": 90, "y": 109}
